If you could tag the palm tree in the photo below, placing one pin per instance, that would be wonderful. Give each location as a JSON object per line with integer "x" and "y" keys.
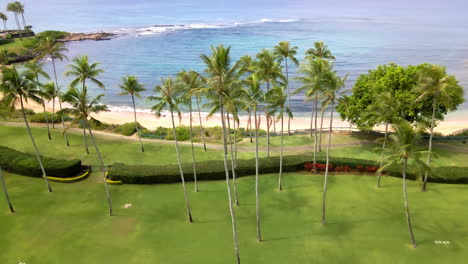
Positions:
{"x": 332, "y": 86}
{"x": 131, "y": 86}
{"x": 436, "y": 84}
{"x": 81, "y": 108}
{"x": 222, "y": 75}
{"x": 384, "y": 110}
{"x": 402, "y": 147}
{"x": 277, "y": 98}
{"x": 5, "y": 57}
{"x": 36, "y": 69}
{"x": 253, "y": 96}
{"x": 82, "y": 70}
{"x": 190, "y": 82}
{"x": 320, "y": 50}
{"x": 13, "y": 7}
{"x": 3, "y": 112}
{"x": 247, "y": 65}
{"x": 313, "y": 73}
{"x": 51, "y": 92}
{"x": 4, "y": 18}
{"x": 20, "y": 10}
{"x": 55, "y": 50}
{"x": 19, "y": 86}
{"x": 169, "y": 93}
{"x": 284, "y": 51}
{"x": 271, "y": 72}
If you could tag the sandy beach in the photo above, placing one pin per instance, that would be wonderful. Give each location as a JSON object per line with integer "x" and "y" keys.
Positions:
{"x": 453, "y": 122}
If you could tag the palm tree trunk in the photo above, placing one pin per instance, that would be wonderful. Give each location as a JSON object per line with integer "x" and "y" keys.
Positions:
{"x": 257, "y": 200}
{"x": 312, "y": 121}
{"x": 321, "y": 128}
{"x": 4, "y": 25}
{"x": 235, "y": 141}
{"x": 84, "y": 136}
{"x": 201, "y": 124}
{"x": 193, "y": 149}
{"x": 289, "y": 95}
{"x": 17, "y": 22}
{"x": 103, "y": 169}
{"x": 53, "y": 112}
{"x": 24, "y": 21}
{"x": 428, "y": 162}
{"x": 187, "y": 203}
{"x": 226, "y": 170}
{"x": 136, "y": 123}
{"x": 47, "y": 120}
{"x": 326, "y": 167}
{"x": 267, "y": 118}
{"x": 10, "y": 205}
{"x": 408, "y": 216}
{"x": 236, "y": 198}
{"x": 382, "y": 155}
{"x": 316, "y": 135}
{"x": 60, "y": 103}
{"x": 281, "y": 151}
{"x": 44, "y": 175}
{"x": 249, "y": 126}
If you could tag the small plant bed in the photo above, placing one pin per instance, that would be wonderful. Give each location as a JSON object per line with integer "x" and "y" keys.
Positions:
{"x": 321, "y": 167}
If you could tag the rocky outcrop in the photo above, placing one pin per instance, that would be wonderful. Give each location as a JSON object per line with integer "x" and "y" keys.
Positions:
{"x": 87, "y": 36}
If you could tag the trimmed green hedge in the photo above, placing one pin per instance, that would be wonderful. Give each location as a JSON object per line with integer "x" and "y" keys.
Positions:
{"x": 214, "y": 170}
{"x": 27, "y": 164}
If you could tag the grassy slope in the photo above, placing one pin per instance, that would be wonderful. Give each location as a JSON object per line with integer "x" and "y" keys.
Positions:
{"x": 365, "y": 225}
{"x": 17, "y": 46}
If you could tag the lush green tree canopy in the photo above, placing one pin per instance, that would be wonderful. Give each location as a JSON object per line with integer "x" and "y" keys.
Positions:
{"x": 400, "y": 82}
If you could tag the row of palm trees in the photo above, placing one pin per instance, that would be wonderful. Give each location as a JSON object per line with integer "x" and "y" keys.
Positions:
{"x": 17, "y": 8}
{"x": 229, "y": 88}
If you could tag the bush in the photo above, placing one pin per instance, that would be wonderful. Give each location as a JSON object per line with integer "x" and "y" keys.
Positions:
{"x": 94, "y": 124}
{"x": 27, "y": 164}
{"x": 127, "y": 129}
{"x": 52, "y": 34}
{"x": 41, "y": 117}
{"x": 182, "y": 133}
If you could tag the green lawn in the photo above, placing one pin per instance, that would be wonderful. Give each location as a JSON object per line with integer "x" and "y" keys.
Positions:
{"x": 365, "y": 224}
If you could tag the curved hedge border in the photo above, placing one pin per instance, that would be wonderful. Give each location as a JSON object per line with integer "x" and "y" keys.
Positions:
{"x": 214, "y": 170}
{"x": 26, "y": 164}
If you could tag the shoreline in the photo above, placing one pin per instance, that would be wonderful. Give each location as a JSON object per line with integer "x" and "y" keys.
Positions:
{"x": 453, "y": 122}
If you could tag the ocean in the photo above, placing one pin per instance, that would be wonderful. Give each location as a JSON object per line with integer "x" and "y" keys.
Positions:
{"x": 157, "y": 39}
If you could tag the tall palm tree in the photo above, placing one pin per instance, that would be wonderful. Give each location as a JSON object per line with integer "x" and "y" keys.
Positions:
{"x": 4, "y": 18}
{"x": 82, "y": 70}
{"x": 247, "y": 65}
{"x": 384, "y": 110}
{"x": 271, "y": 72}
{"x": 20, "y": 10}
{"x": 13, "y": 7}
{"x": 402, "y": 147}
{"x": 190, "y": 81}
{"x": 131, "y": 86}
{"x": 436, "y": 84}
{"x": 332, "y": 86}
{"x": 20, "y": 87}
{"x": 168, "y": 97}
{"x": 253, "y": 96}
{"x": 36, "y": 69}
{"x": 313, "y": 72}
{"x": 320, "y": 50}
{"x": 5, "y": 57}
{"x": 278, "y": 97}
{"x": 51, "y": 92}
{"x": 284, "y": 51}
{"x": 3, "y": 113}
{"x": 81, "y": 108}
{"x": 222, "y": 75}
{"x": 55, "y": 50}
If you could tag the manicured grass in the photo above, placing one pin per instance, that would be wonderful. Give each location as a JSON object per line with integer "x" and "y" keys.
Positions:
{"x": 18, "y": 46}
{"x": 365, "y": 224}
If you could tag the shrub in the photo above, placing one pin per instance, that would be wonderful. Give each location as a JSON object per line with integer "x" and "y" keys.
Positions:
{"x": 27, "y": 164}
{"x": 40, "y": 117}
{"x": 182, "y": 133}
{"x": 52, "y": 34}
{"x": 94, "y": 124}
{"x": 127, "y": 129}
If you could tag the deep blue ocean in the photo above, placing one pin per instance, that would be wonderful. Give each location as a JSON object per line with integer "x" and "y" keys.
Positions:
{"x": 157, "y": 39}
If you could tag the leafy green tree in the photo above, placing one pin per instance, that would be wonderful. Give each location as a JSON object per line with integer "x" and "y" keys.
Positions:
{"x": 19, "y": 87}
{"x": 56, "y": 51}
{"x": 400, "y": 82}
{"x": 443, "y": 89}
{"x": 222, "y": 75}
{"x": 81, "y": 108}
{"x": 385, "y": 110}
{"x": 36, "y": 69}
{"x": 332, "y": 90}
{"x": 254, "y": 95}
{"x": 284, "y": 51}
{"x": 131, "y": 86}
{"x": 277, "y": 98}
{"x": 168, "y": 97}
{"x": 271, "y": 72}
{"x": 403, "y": 146}
{"x": 4, "y": 18}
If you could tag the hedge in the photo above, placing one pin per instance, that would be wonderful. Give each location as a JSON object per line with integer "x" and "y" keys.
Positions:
{"x": 214, "y": 170}
{"x": 26, "y": 164}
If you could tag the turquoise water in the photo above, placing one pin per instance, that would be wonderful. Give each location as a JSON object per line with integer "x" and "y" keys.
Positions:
{"x": 362, "y": 34}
